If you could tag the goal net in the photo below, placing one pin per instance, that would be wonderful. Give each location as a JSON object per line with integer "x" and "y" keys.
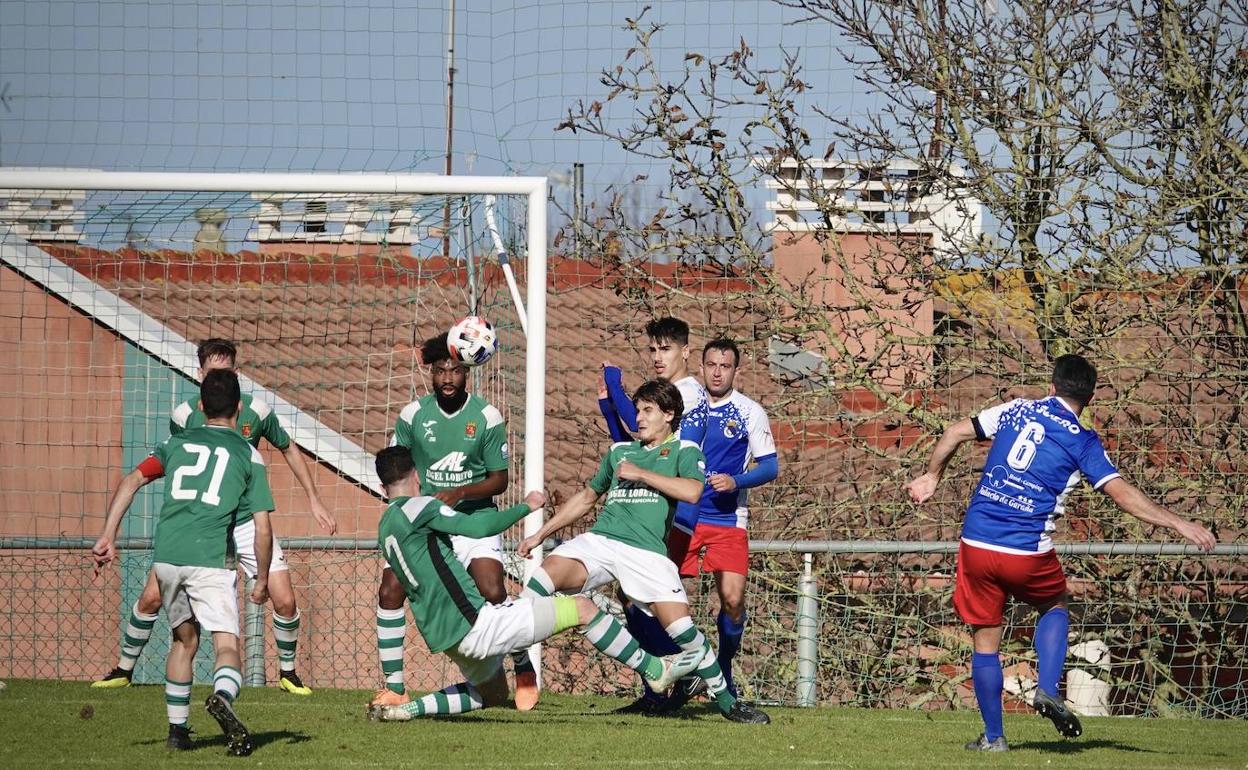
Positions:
{"x": 327, "y": 284}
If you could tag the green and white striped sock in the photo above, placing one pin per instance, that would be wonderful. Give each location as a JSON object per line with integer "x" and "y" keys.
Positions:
{"x": 177, "y": 701}
{"x": 611, "y": 639}
{"x": 391, "y": 633}
{"x": 286, "y": 633}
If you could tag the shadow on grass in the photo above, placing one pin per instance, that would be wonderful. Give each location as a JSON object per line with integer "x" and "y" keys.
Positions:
{"x": 1076, "y": 747}
{"x": 217, "y": 741}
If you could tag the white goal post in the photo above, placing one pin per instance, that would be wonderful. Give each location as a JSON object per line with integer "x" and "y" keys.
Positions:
{"x": 534, "y": 188}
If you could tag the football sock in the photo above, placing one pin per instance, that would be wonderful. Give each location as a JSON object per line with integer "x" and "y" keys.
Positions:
{"x": 611, "y": 639}
{"x": 730, "y": 632}
{"x": 989, "y": 680}
{"x": 649, "y": 634}
{"x": 134, "y": 638}
{"x": 227, "y": 681}
{"x": 455, "y": 699}
{"x": 566, "y": 614}
{"x": 286, "y": 633}
{"x": 1051, "y": 632}
{"x": 539, "y": 584}
{"x": 684, "y": 633}
{"x": 391, "y": 633}
{"x": 177, "y": 701}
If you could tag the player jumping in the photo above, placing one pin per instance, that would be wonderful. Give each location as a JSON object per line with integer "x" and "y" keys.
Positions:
{"x": 1039, "y": 451}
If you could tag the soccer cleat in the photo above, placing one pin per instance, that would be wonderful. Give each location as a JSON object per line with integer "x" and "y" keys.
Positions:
{"x": 237, "y": 739}
{"x": 746, "y": 713}
{"x": 179, "y": 738}
{"x": 649, "y": 704}
{"x": 527, "y": 693}
{"x": 387, "y": 697}
{"x": 674, "y": 668}
{"x": 1062, "y": 718}
{"x": 118, "y": 677}
{"x": 685, "y": 690}
{"x": 983, "y": 744}
{"x": 389, "y": 714}
{"x": 291, "y": 683}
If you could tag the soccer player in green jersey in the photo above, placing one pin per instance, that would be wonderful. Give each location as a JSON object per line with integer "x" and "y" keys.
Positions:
{"x": 458, "y": 442}
{"x": 642, "y": 481}
{"x": 256, "y": 421}
{"x": 213, "y": 475}
{"x": 415, "y": 535}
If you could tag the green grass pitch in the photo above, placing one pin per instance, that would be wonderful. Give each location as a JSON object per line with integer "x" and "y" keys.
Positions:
{"x": 50, "y": 724}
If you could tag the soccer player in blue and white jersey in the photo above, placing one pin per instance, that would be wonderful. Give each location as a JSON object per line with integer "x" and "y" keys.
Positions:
{"x": 713, "y": 534}
{"x": 1039, "y": 453}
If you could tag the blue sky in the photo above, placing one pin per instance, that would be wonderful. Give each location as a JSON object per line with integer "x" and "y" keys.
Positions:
{"x": 348, "y": 86}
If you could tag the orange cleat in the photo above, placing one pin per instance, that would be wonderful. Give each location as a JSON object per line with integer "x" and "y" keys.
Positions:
{"x": 527, "y": 693}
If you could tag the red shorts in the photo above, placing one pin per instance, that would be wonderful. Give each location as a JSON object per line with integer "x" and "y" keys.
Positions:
{"x": 985, "y": 578}
{"x": 720, "y": 549}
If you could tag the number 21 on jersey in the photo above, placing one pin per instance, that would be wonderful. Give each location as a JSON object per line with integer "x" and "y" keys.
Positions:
{"x": 211, "y": 495}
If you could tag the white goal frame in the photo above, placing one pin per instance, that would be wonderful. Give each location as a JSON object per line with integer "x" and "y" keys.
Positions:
{"x": 535, "y": 188}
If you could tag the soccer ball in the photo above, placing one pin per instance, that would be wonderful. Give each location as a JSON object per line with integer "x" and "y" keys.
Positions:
{"x": 472, "y": 341}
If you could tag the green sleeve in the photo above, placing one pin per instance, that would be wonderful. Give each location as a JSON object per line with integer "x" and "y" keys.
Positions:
{"x": 494, "y": 448}
{"x": 483, "y": 523}
{"x": 691, "y": 464}
{"x": 258, "y": 497}
{"x": 161, "y": 452}
{"x": 273, "y": 432}
{"x": 174, "y": 428}
{"x": 601, "y": 481}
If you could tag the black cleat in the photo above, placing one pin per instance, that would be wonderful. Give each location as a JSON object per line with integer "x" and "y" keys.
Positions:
{"x": 649, "y": 704}
{"x": 237, "y": 739}
{"x": 682, "y": 692}
{"x": 179, "y": 738}
{"x": 746, "y": 714}
{"x": 1062, "y": 718}
{"x": 983, "y": 744}
{"x": 118, "y": 677}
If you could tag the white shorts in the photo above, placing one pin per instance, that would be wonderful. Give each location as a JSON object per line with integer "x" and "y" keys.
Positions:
{"x": 245, "y": 546}
{"x": 645, "y": 577}
{"x": 514, "y": 625}
{"x": 468, "y": 549}
{"x": 208, "y": 595}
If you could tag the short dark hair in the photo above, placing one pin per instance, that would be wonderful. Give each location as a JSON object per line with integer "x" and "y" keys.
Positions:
{"x": 669, "y": 329}
{"x": 434, "y": 349}
{"x": 219, "y": 393}
{"x": 393, "y": 463}
{"x": 216, "y": 347}
{"x": 665, "y": 396}
{"x": 1074, "y": 377}
{"x": 726, "y": 345}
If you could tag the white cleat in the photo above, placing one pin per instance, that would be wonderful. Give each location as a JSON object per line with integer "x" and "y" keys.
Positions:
{"x": 675, "y": 668}
{"x": 389, "y": 714}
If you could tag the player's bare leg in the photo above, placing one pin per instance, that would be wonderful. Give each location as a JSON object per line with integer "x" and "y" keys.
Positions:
{"x": 731, "y": 621}
{"x": 179, "y": 674}
{"x": 135, "y": 635}
{"x": 391, "y": 633}
{"x": 286, "y": 631}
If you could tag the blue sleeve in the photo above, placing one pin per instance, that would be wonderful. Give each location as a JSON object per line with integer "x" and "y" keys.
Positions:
{"x": 623, "y": 404}
{"x": 1095, "y": 464}
{"x": 766, "y": 469}
{"x": 693, "y": 425}
{"x": 613, "y": 421}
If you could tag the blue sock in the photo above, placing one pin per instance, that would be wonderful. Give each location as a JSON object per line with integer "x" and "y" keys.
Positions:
{"x": 989, "y": 681}
{"x": 1051, "y": 632}
{"x": 730, "y": 632}
{"x": 649, "y": 634}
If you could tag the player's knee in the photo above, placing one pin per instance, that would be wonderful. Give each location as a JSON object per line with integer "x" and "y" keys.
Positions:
{"x": 390, "y": 593}
{"x": 733, "y": 607}
{"x": 494, "y": 593}
{"x": 149, "y": 600}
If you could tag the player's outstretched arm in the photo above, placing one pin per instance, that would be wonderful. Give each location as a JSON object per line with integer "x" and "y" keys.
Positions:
{"x": 613, "y": 379}
{"x": 264, "y": 556}
{"x": 922, "y": 488}
{"x": 105, "y": 549}
{"x": 488, "y": 522}
{"x": 1130, "y": 499}
{"x": 494, "y": 483}
{"x": 577, "y": 506}
{"x": 299, "y": 467}
{"x": 677, "y": 487}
